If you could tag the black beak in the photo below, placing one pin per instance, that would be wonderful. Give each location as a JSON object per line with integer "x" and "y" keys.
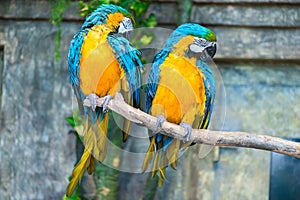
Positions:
{"x": 211, "y": 50}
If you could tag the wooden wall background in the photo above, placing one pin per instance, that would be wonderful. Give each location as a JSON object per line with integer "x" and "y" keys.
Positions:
{"x": 258, "y": 57}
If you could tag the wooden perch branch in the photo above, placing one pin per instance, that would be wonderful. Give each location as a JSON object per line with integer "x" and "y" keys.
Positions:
{"x": 203, "y": 136}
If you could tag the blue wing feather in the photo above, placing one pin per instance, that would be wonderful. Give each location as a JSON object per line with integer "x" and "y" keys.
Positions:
{"x": 74, "y": 57}
{"x": 153, "y": 77}
{"x": 129, "y": 59}
{"x": 99, "y": 15}
{"x": 209, "y": 84}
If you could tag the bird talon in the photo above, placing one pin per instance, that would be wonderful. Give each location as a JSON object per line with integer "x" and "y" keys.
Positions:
{"x": 160, "y": 119}
{"x": 107, "y": 99}
{"x": 93, "y": 98}
{"x": 188, "y": 130}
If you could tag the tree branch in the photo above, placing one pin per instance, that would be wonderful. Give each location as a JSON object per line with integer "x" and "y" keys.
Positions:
{"x": 203, "y": 136}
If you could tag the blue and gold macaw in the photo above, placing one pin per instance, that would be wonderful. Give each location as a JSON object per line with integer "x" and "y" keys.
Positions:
{"x": 102, "y": 62}
{"x": 180, "y": 89}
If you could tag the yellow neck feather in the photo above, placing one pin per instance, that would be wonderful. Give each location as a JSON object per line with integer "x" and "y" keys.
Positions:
{"x": 182, "y": 45}
{"x": 113, "y": 21}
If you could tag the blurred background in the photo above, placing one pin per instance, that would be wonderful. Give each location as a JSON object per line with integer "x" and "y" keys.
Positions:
{"x": 259, "y": 60}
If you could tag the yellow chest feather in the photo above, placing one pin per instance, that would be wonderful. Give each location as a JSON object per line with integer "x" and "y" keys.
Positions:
{"x": 100, "y": 71}
{"x": 180, "y": 94}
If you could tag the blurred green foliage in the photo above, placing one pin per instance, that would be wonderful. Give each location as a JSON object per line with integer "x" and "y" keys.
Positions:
{"x": 75, "y": 196}
{"x": 137, "y": 7}
{"x": 75, "y": 121}
{"x": 150, "y": 187}
{"x": 58, "y": 7}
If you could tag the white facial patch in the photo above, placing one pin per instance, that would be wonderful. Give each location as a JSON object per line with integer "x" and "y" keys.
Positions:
{"x": 196, "y": 48}
{"x": 125, "y": 25}
{"x": 200, "y": 45}
{"x": 201, "y": 42}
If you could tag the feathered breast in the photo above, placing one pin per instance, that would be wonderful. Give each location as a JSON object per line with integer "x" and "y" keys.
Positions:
{"x": 99, "y": 69}
{"x": 180, "y": 91}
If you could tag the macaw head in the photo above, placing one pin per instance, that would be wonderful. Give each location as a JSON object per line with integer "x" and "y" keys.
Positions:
{"x": 112, "y": 17}
{"x": 193, "y": 39}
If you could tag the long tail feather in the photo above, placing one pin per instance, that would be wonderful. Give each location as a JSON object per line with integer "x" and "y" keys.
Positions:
{"x": 155, "y": 164}
{"x": 91, "y": 166}
{"x": 127, "y": 98}
{"x": 126, "y": 129}
{"x": 149, "y": 154}
{"x": 95, "y": 138}
{"x": 95, "y": 141}
{"x": 172, "y": 153}
{"x": 162, "y": 177}
{"x": 159, "y": 167}
{"x": 159, "y": 162}
{"x": 163, "y": 156}
{"x": 78, "y": 171}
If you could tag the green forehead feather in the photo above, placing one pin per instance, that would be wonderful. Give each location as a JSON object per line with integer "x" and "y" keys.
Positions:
{"x": 197, "y": 31}
{"x": 210, "y": 36}
{"x": 192, "y": 29}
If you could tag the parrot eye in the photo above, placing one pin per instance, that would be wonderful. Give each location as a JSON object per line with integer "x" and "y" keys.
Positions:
{"x": 200, "y": 42}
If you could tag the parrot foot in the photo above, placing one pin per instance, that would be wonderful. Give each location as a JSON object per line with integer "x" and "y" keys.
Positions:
{"x": 188, "y": 130}
{"x": 160, "y": 119}
{"x": 107, "y": 98}
{"x": 93, "y": 97}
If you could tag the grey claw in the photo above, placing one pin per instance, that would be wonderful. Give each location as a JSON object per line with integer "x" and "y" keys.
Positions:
{"x": 107, "y": 98}
{"x": 160, "y": 119}
{"x": 188, "y": 130}
{"x": 93, "y": 97}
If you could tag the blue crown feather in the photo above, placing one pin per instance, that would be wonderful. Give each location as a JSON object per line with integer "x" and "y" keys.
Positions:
{"x": 99, "y": 16}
